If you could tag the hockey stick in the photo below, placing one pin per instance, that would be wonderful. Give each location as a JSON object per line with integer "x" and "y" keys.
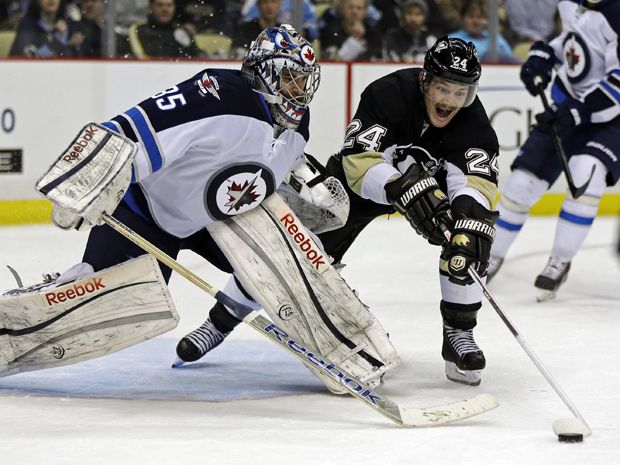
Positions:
{"x": 572, "y": 426}
{"x": 575, "y": 191}
{"x": 405, "y": 416}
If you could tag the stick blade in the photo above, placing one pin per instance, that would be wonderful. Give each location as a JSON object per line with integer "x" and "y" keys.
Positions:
{"x": 577, "y": 192}
{"x": 442, "y": 414}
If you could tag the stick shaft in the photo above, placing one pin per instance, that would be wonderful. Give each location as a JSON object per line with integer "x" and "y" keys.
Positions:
{"x": 528, "y": 350}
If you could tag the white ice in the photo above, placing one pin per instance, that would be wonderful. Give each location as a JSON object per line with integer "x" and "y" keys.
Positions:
{"x": 131, "y": 408}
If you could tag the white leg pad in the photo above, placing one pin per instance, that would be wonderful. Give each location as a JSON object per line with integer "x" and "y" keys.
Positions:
{"x": 284, "y": 270}
{"x": 95, "y": 315}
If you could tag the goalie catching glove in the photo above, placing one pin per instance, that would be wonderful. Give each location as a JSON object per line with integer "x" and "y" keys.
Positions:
{"x": 472, "y": 236}
{"x": 417, "y": 196}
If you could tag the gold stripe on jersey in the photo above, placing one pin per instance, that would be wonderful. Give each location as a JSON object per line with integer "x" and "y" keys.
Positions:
{"x": 357, "y": 165}
{"x": 486, "y": 188}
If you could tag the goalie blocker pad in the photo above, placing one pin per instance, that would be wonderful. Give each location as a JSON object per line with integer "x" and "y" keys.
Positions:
{"x": 98, "y": 314}
{"x": 90, "y": 177}
{"x": 287, "y": 273}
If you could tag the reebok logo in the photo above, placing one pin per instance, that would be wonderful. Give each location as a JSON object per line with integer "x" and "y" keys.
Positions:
{"x": 75, "y": 291}
{"x": 80, "y": 144}
{"x": 305, "y": 244}
{"x": 329, "y": 369}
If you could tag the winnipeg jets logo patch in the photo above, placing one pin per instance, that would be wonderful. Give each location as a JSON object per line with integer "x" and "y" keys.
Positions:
{"x": 242, "y": 194}
{"x": 208, "y": 85}
{"x": 576, "y": 57}
{"x": 237, "y": 189}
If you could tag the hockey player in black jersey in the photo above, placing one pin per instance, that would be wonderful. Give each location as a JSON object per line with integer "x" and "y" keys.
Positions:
{"x": 420, "y": 143}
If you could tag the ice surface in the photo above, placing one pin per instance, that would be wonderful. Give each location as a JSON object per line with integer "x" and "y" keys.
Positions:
{"x": 247, "y": 403}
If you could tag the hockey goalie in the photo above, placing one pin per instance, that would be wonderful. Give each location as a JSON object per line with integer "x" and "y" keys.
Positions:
{"x": 191, "y": 168}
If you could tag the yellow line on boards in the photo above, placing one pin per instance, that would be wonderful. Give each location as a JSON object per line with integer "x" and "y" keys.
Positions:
{"x": 40, "y": 211}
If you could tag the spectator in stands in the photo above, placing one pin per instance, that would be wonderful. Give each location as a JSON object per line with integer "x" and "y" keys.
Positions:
{"x": 44, "y": 32}
{"x": 206, "y": 16}
{"x": 411, "y": 40}
{"x": 451, "y": 13}
{"x": 389, "y": 16}
{"x": 310, "y": 28}
{"x": 269, "y": 11}
{"x": 161, "y": 35}
{"x": 11, "y": 12}
{"x": 531, "y": 20}
{"x": 474, "y": 22}
{"x": 90, "y": 26}
{"x": 351, "y": 38}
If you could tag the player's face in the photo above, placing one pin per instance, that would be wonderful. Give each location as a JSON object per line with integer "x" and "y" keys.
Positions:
{"x": 443, "y": 100}
{"x": 293, "y": 84}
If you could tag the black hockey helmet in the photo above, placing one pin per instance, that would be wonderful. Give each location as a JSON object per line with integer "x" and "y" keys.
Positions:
{"x": 453, "y": 60}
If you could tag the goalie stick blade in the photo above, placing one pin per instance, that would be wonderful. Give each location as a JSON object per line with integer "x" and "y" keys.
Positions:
{"x": 408, "y": 417}
{"x": 442, "y": 414}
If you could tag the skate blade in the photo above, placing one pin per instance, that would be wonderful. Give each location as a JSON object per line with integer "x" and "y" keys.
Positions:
{"x": 545, "y": 295}
{"x": 177, "y": 363}
{"x": 468, "y": 377}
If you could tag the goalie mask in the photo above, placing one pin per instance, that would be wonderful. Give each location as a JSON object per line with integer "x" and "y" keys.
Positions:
{"x": 449, "y": 81}
{"x": 280, "y": 64}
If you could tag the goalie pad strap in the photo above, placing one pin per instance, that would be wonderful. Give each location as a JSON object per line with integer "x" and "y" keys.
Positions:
{"x": 245, "y": 237}
{"x": 60, "y": 179}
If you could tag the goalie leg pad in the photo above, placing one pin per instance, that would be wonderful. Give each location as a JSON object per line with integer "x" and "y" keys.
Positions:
{"x": 284, "y": 270}
{"x": 95, "y": 315}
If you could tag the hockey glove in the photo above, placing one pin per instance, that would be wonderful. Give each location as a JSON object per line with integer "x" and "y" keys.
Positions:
{"x": 472, "y": 237}
{"x": 417, "y": 196}
{"x": 540, "y": 61}
{"x": 565, "y": 116}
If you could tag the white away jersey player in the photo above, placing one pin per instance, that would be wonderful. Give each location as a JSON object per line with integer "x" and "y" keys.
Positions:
{"x": 588, "y": 50}
{"x": 206, "y": 151}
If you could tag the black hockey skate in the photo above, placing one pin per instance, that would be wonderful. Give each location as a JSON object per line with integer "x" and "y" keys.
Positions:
{"x": 551, "y": 278}
{"x": 463, "y": 357}
{"x": 198, "y": 343}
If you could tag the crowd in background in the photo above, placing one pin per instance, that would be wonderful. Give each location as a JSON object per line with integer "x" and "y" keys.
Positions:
{"x": 341, "y": 30}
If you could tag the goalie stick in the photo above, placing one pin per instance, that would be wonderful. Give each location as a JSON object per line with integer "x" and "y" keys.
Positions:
{"x": 405, "y": 416}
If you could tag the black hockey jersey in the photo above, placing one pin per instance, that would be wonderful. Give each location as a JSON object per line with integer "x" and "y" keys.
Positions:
{"x": 391, "y": 113}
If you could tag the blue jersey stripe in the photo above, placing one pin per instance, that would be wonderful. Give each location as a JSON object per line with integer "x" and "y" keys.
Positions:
{"x": 111, "y": 126}
{"x": 611, "y": 90}
{"x": 147, "y": 137}
{"x": 509, "y": 226}
{"x": 575, "y": 218}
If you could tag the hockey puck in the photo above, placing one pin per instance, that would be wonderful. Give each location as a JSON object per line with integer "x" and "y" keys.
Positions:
{"x": 570, "y": 437}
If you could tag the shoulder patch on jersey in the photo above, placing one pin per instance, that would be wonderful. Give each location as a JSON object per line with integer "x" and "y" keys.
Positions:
{"x": 237, "y": 189}
{"x": 208, "y": 85}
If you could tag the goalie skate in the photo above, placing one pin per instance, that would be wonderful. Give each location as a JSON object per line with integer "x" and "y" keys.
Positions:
{"x": 548, "y": 282}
